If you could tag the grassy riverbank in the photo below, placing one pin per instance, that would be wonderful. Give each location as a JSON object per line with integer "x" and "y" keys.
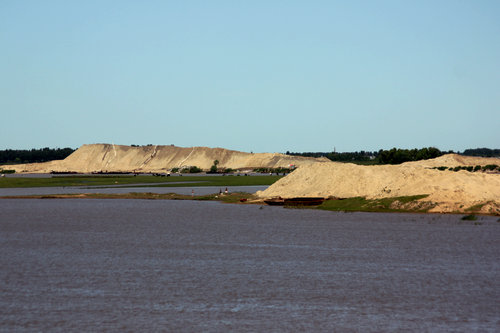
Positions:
{"x": 408, "y": 204}
{"x": 350, "y": 204}
{"x": 399, "y": 204}
{"x": 386, "y": 205}
{"x": 117, "y": 180}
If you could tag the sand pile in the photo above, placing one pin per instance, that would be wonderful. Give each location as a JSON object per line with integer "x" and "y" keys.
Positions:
{"x": 117, "y": 158}
{"x": 449, "y": 191}
{"x": 453, "y": 160}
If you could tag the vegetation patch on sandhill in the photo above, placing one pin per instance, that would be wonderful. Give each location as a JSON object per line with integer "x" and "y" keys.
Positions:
{"x": 395, "y": 204}
{"x": 471, "y": 168}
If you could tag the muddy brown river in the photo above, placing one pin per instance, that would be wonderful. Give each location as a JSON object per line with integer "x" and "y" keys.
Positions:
{"x": 185, "y": 266}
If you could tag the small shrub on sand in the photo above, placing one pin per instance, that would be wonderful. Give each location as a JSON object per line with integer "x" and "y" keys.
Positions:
{"x": 490, "y": 167}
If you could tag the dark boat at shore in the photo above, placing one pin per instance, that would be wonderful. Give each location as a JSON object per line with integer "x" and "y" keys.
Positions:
{"x": 299, "y": 201}
{"x": 304, "y": 201}
{"x": 275, "y": 201}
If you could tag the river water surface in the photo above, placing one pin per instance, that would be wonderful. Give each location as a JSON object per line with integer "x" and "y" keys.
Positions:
{"x": 200, "y": 190}
{"x": 177, "y": 266}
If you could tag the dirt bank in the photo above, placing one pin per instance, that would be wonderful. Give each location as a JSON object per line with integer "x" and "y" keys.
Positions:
{"x": 447, "y": 191}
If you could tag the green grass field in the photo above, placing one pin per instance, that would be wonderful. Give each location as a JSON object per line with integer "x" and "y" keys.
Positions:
{"x": 360, "y": 204}
{"x": 174, "y": 181}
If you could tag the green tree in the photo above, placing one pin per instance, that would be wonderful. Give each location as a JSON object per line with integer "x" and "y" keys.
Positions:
{"x": 213, "y": 168}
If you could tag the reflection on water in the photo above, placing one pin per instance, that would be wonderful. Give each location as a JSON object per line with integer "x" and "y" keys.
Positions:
{"x": 201, "y": 190}
{"x": 144, "y": 265}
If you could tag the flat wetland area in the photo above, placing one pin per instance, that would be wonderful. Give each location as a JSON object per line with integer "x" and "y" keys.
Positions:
{"x": 128, "y": 180}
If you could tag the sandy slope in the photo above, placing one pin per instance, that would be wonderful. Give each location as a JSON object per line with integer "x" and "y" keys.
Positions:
{"x": 451, "y": 191}
{"x": 113, "y": 158}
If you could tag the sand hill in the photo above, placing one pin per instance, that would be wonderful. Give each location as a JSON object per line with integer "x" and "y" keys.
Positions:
{"x": 117, "y": 158}
{"x": 448, "y": 191}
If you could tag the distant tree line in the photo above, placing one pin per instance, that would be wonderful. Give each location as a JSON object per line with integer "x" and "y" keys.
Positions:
{"x": 13, "y": 156}
{"x": 482, "y": 152}
{"x": 392, "y": 156}
{"x": 395, "y": 155}
{"x": 361, "y": 156}
{"x": 398, "y": 156}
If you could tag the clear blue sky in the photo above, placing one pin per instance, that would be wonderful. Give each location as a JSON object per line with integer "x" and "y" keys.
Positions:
{"x": 261, "y": 76}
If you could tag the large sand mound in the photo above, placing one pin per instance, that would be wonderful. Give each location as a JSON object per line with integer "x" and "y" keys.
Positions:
{"x": 117, "y": 158}
{"x": 450, "y": 191}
